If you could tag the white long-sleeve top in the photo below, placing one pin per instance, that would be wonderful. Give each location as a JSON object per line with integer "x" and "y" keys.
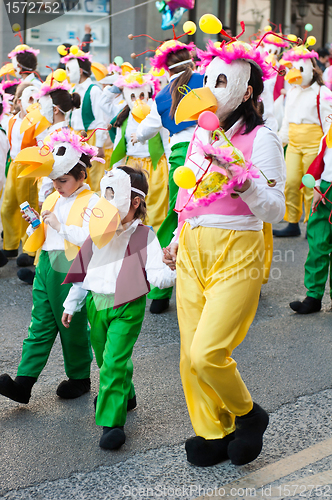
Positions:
{"x": 266, "y": 203}
{"x": 301, "y": 107}
{"x": 74, "y": 234}
{"x": 139, "y": 150}
{"x": 99, "y": 121}
{"x": 268, "y": 102}
{"x": 111, "y": 103}
{"x": 105, "y": 265}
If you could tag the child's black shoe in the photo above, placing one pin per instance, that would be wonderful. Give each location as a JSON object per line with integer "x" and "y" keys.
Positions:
{"x": 18, "y": 390}
{"x": 113, "y": 438}
{"x": 207, "y": 452}
{"x": 159, "y": 305}
{"x": 307, "y": 306}
{"x": 73, "y": 388}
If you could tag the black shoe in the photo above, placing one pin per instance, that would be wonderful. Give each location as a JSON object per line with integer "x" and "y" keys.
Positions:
{"x": 131, "y": 404}
{"x": 113, "y": 438}
{"x": 26, "y": 275}
{"x": 248, "y": 441}
{"x": 293, "y": 229}
{"x": 73, "y": 388}
{"x": 3, "y": 259}
{"x": 307, "y": 306}
{"x": 10, "y": 254}
{"x": 159, "y": 305}
{"x": 25, "y": 260}
{"x": 18, "y": 390}
{"x": 207, "y": 452}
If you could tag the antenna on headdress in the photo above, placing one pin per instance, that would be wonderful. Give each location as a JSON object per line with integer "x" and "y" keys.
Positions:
{"x": 279, "y": 36}
{"x": 19, "y": 34}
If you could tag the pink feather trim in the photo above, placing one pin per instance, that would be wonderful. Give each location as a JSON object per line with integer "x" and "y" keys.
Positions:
{"x": 273, "y": 40}
{"x": 66, "y": 135}
{"x": 6, "y": 84}
{"x": 5, "y": 101}
{"x": 148, "y": 79}
{"x": 159, "y": 61}
{"x": 113, "y": 68}
{"x": 46, "y": 89}
{"x": 238, "y": 51}
{"x": 292, "y": 55}
{"x": 14, "y": 52}
{"x": 68, "y": 57}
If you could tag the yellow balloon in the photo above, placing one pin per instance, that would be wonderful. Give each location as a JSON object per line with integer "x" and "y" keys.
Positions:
{"x": 74, "y": 49}
{"x": 62, "y": 50}
{"x": 184, "y": 177}
{"x": 210, "y": 24}
{"x": 60, "y": 75}
{"x": 292, "y": 38}
{"x": 16, "y": 27}
{"x": 311, "y": 40}
{"x": 189, "y": 27}
{"x": 267, "y": 28}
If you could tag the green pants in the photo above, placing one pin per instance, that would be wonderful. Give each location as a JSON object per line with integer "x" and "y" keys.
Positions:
{"x": 166, "y": 230}
{"x": 113, "y": 336}
{"x": 48, "y": 296}
{"x": 319, "y": 258}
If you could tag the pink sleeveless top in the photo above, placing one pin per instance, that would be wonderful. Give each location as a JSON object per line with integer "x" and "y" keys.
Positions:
{"x": 221, "y": 206}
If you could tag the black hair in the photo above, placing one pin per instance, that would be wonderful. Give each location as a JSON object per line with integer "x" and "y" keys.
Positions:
{"x": 183, "y": 79}
{"x": 138, "y": 180}
{"x": 122, "y": 116}
{"x": 65, "y": 100}
{"x": 248, "y": 110}
{"x": 1, "y": 108}
{"x": 12, "y": 89}
{"x": 85, "y": 65}
{"x": 28, "y": 61}
{"x": 77, "y": 170}
{"x": 323, "y": 52}
{"x": 317, "y": 74}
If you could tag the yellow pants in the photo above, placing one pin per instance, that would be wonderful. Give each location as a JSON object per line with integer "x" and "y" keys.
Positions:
{"x": 268, "y": 243}
{"x": 108, "y": 156}
{"x": 302, "y": 149}
{"x": 97, "y": 169}
{"x": 16, "y": 192}
{"x": 219, "y": 276}
{"x": 157, "y": 198}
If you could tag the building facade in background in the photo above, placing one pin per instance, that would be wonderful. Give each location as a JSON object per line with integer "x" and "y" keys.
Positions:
{"x": 112, "y": 20}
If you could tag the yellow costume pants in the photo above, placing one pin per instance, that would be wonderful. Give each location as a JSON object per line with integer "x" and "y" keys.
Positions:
{"x": 16, "y": 192}
{"x": 302, "y": 149}
{"x": 157, "y": 198}
{"x": 108, "y": 156}
{"x": 219, "y": 276}
{"x": 268, "y": 243}
{"x": 97, "y": 169}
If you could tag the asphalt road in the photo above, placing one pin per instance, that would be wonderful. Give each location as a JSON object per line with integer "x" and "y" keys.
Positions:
{"x": 49, "y": 448}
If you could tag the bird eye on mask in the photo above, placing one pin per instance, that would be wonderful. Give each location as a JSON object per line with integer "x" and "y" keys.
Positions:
{"x": 228, "y": 83}
{"x": 136, "y": 94}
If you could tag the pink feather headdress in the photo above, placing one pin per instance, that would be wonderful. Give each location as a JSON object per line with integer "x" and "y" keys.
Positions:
{"x": 48, "y": 88}
{"x": 113, "y": 68}
{"x": 233, "y": 51}
{"x": 6, "y": 84}
{"x": 275, "y": 40}
{"x": 159, "y": 61}
{"x": 83, "y": 56}
{"x": 77, "y": 142}
{"x": 5, "y": 101}
{"x": 20, "y": 49}
{"x": 298, "y": 53}
{"x": 137, "y": 79}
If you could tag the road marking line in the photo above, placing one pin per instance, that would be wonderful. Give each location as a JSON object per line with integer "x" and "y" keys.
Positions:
{"x": 278, "y": 470}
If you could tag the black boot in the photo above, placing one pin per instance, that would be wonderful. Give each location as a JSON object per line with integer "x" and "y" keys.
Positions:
{"x": 207, "y": 452}
{"x": 3, "y": 259}
{"x": 18, "y": 390}
{"x": 73, "y": 388}
{"x": 113, "y": 438}
{"x": 10, "y": 254}
{"x": 131, "y": 404}
{"x": 26, "y": 275}
{"x": 293, "y": 229}
{"x": 159, "y": 305}
{"x": 307, "y": 306}
{"x": 25, "y": 260}
{"x": 248, "y": 441}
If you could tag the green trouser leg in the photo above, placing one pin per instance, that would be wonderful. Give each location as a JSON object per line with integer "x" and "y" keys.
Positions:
{"x": 48, "y": 296}
{"x": 113, "y": 335}
{"x": 319, "y": 231}
{"x": 166, "y": 230}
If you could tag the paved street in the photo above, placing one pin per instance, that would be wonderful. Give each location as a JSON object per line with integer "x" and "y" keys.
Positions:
{"x": 49, "y": 448}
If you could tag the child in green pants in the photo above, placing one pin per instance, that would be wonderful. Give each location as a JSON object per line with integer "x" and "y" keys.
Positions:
{"x": 61, "y": 231}
{"x": 114, "y": 280}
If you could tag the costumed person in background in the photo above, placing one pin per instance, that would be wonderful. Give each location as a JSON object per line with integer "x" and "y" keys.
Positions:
{"x": 219, "y": 248}
{"x": 138, "y": 90}
{"x": 90, "y": 116}
{"x": 174, "y": 57}
{"x": 9, "y": 87}
{"x": 4, "y": 149}
{"x": 114, "y": 280}
{"x": 24, "y": 61}
{"x": 318, "y": 263}
{"x": 18, "y": 190}
{"x": 54, "y": 102}
{"x": 307, "y": 108}
{"x": 64, "y": 228}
